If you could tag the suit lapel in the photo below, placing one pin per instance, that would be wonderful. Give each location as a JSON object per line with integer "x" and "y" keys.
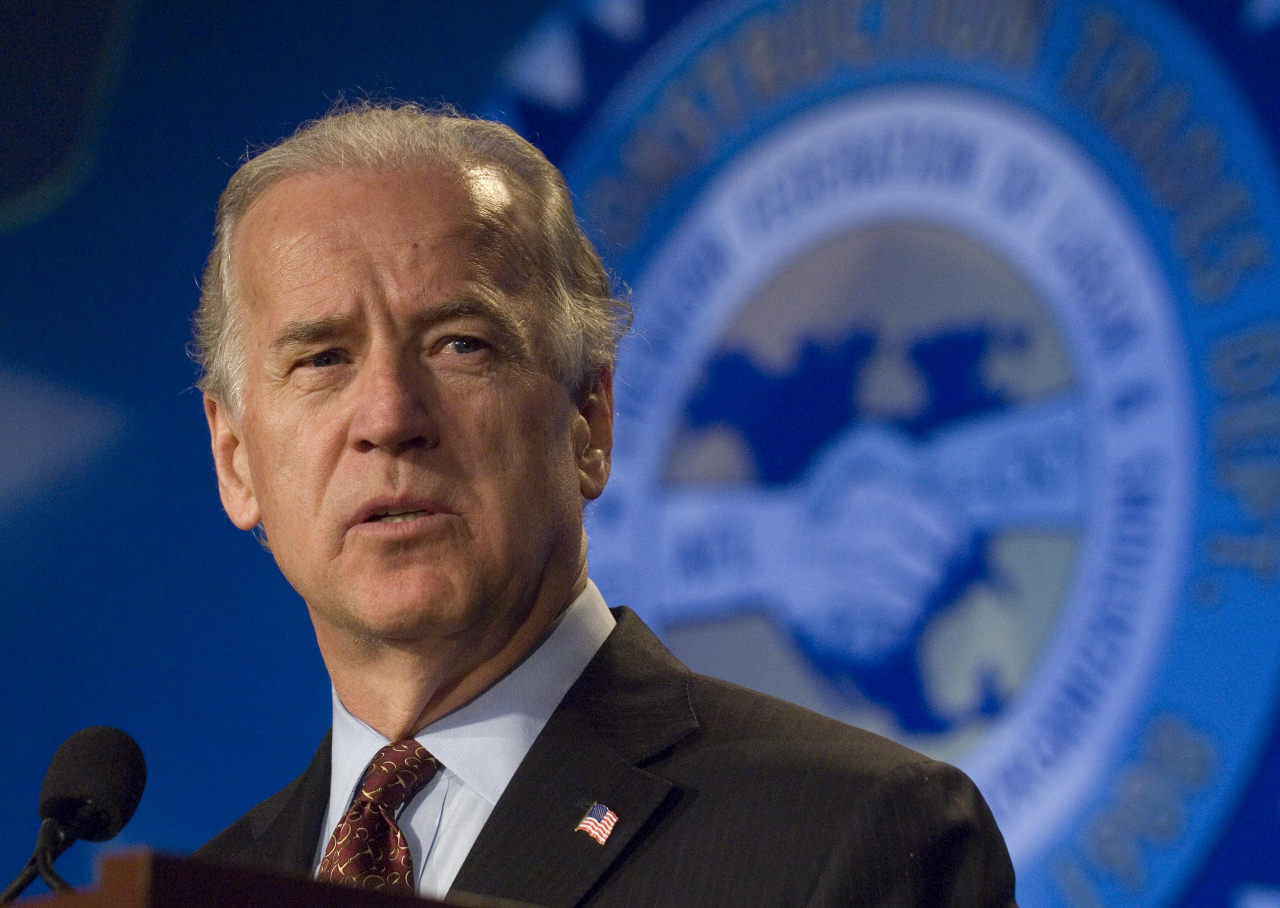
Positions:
{"x": 529, "y": 851}
{"x": 631, "y": 702}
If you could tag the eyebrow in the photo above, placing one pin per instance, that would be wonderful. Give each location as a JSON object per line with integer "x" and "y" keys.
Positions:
{"x": 305, "y": 332}
{"x": 477, "y": 307}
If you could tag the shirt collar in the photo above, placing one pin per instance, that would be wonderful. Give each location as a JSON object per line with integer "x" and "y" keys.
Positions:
{"x": 484, "y": 741}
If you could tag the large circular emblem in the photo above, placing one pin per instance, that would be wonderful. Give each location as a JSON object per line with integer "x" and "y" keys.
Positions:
{"x": 945, "y": 408}
{"x": 899, "y": 421}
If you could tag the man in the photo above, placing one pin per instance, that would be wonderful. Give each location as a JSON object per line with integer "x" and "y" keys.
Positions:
{"x": 408, "y": 354}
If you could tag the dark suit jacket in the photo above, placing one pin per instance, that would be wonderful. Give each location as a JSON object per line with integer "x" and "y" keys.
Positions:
{"x": 724, "y": 797}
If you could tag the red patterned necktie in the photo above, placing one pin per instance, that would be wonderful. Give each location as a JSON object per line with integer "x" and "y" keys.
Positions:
{"x": 367, "y": 849}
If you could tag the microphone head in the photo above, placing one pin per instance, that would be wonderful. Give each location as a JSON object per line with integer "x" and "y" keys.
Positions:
{"x": 94, "y": 783}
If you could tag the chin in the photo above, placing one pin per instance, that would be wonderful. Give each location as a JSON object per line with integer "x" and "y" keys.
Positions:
{"x": 414, "y": 608}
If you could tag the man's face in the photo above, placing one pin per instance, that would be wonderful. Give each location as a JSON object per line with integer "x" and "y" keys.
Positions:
{"x": 418, "y": 469}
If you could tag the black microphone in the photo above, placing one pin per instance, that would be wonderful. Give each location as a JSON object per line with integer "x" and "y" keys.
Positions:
{"x": 94, "y": 783}
{"x": 91, "y": 789}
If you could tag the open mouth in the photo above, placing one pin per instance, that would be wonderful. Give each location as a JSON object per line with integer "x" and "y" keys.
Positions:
{"x": 397, "y": 516}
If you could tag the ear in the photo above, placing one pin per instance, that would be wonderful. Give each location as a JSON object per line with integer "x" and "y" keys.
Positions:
{"x": 594, "y": 435}
{"x": 231, "y": 460}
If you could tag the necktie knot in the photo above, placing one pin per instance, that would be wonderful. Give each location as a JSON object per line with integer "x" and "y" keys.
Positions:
{"x": 367, "y": 848}
{"x": 397, "y": 773}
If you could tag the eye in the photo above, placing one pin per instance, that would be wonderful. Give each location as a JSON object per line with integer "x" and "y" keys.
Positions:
{"x": 324, "y": 359}
{"x": 464, "y": 346}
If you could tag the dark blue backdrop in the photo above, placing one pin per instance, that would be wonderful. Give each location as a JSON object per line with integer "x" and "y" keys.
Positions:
{"x": 127, "y": 597}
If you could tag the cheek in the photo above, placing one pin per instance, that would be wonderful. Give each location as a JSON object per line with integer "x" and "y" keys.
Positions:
{"x": 524, "y": 445}
{"x": 290, "y": 469}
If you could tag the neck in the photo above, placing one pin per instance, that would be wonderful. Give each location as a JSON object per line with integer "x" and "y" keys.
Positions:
{"x": 400, "y": 687}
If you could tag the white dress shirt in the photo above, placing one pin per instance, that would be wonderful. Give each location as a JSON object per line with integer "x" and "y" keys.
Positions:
{"x": 480, "y": 746}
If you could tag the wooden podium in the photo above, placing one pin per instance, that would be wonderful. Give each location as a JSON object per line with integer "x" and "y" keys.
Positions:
{"x": 145, "y": 879}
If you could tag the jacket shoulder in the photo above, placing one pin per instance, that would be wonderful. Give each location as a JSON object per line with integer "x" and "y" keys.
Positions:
{"x": 239, "y": 837}
{"x": 728, "y": 713}
{"x": 283, "y": 831}
{"x": 900, "y": 823}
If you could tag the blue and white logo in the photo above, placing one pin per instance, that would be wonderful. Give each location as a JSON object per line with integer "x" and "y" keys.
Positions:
{"x": 897, "y": 420}
{"x": 946, "y": 408}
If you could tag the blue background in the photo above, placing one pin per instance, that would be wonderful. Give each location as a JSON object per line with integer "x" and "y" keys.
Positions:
{"x": 128, "y": 598}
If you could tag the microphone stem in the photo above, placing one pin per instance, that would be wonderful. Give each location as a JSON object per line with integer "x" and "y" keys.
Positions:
{"x": 50, "y": 843}
{"x": 14, "y": 889}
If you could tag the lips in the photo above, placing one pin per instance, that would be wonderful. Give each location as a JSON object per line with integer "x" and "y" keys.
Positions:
{"x": 397, "y": 516}
{"x": 395, "y": 510}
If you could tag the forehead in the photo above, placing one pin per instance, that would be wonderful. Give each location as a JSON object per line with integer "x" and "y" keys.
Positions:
{"x": 310, "y": 227}
{"x": 407, "y": 243}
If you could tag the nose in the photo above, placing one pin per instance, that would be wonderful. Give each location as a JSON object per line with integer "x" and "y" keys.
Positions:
{"x": 392, "y": 409}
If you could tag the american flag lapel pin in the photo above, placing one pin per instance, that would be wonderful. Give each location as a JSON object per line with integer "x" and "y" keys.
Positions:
{"x": 598, "y": 822}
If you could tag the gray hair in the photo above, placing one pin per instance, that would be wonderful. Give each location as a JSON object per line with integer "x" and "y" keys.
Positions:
{"x": 534, "y": 245}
